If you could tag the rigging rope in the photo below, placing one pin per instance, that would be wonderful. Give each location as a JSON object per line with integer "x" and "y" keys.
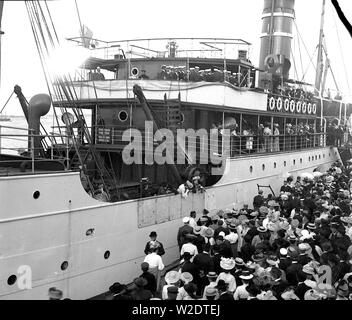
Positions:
{"x": 7, "y": 102}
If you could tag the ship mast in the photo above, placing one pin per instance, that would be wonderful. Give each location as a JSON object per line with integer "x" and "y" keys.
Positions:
{"x": 320, "y": 62}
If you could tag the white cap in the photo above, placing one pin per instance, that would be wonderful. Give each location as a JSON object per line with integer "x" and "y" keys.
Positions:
{"x": 222, "y": 233}
{"x": 283, "y": 252}
{"x": 185, "y": 220}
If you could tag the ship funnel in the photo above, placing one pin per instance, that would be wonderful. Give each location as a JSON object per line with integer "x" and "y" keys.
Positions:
{"x": 39, "y": 106}
{"x": 278, "y": 17}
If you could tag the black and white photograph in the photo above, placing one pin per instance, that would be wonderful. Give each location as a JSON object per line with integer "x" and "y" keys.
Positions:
{"x": 176, "y": 150}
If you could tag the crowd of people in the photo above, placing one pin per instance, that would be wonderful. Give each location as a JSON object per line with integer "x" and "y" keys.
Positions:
{"x": 195, "y": 74}
{"x": 296, "y": 246}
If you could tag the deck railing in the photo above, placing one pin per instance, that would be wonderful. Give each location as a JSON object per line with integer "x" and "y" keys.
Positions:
{"x": 15, "y": 142}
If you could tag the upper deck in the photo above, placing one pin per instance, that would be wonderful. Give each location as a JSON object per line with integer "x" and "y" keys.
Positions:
{"x": 179, "y": 58}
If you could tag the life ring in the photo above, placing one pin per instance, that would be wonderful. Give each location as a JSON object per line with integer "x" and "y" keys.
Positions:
{"x": 299, "y": 107}
{"x": 279, "y": 104}
{"x": 292, "y": 106}
{"x": 272, "y": 104}
{"x": 314, "y": 108}
{"x": 304, "y": 107}
{"x": 287, "y": 105}
{"x": 309, "y": 108}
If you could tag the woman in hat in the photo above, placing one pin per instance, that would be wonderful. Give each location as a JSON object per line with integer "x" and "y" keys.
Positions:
{"x": 156, "y": 265}
{"x": 212, "y": 277}
{"x": 172, "y": 279}
{"x": 233, "y": 238}
{"x": 185, "y": 278}
{"x": 241, "y": 293}
{"x": 227, "y": 264}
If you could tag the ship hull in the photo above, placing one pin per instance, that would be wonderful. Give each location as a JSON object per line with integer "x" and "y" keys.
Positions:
{"x": 44, "y": 233}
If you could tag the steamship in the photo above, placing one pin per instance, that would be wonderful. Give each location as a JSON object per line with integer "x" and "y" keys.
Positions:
{"x": 78, "y": 215}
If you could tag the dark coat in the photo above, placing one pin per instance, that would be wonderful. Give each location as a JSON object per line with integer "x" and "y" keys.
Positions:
{"x": 292, "y": 272}
{"x": 204, "y": 261}
{"x": 181, "y": 234}
{"x": 151, "y": 281}
{"x": 160, "y": 251}
{"x": 226, "y": 296}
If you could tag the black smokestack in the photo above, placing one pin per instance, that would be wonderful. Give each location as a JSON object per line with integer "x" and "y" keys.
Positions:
{"x": 278, "y": 17}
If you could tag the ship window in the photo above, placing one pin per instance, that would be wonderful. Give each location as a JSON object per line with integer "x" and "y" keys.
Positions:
{"x": 263, "y": 167}
{"x": 319, "y": 156}
{"x": 134, "y": 72}
{"x": 316, "y": 157}
{"x": 324, "y": 156}
{"x": 11, "y": 280}
{"x": 329, "y": 154}
{"x": 300, "y": 160}
{"x": 89, "y": 232}
{"x": 107, "y": 254}
{"x": 123, "y": 115}
{"x": 251, "y": 169}
{"x": 64, "y": 265}
{"x": 294, "y": 162}
{"x": 284, "y": 163}
{"x": 309, "y": 159}
{"x": 274, "y": 165}
{"x": 36, "y": 194}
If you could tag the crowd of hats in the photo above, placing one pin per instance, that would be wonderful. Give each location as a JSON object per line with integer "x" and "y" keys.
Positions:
{"x": 195, "y": 74}
{"x": 296, "y": 246}
{"x": 292, "y": 239}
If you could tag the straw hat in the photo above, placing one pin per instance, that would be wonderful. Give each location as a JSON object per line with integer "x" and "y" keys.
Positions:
{"x": 209, "y": 232}
{"x": 172, "y": 277}
{"x": 227, "y": 263}
{"x": 186, "y": 277}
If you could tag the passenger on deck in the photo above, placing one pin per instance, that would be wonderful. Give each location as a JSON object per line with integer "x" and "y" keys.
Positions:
{"x": 99, "y": 75}
{"x": 143, "y": 75}
{"x": 276, "y": 144}
{"x": 163, "y": 74}
{"x": 267, "y": 138}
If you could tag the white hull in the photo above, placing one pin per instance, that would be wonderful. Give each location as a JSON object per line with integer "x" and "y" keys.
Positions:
{"x": 45, "y": 232}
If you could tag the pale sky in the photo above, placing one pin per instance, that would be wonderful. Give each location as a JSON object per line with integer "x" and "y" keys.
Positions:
{"x": 118, "y": 20}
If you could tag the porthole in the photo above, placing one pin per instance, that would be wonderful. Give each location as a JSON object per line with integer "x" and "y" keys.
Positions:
{"x": 263, "y": 167}
{"x": 11, "y": 280}
{"x": 134, "y": 72}
{"x": 123, "y": 115}
{"x": 274, "y": 165}
{"x": 294, "y": 162}
{"x": 301, "y": 161}
{"x": 64, "y": 265}
{"x": 309, "y": 159}
{"x": 319, "y": 156}
{"x": 36, "y": 194}
{"x": 107, "y": 254}
{"x": 250, "y": 169}
{"x": 89, "y": 232}
{"x": 284, "y": 163}
{"x": 316, "y": 157}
